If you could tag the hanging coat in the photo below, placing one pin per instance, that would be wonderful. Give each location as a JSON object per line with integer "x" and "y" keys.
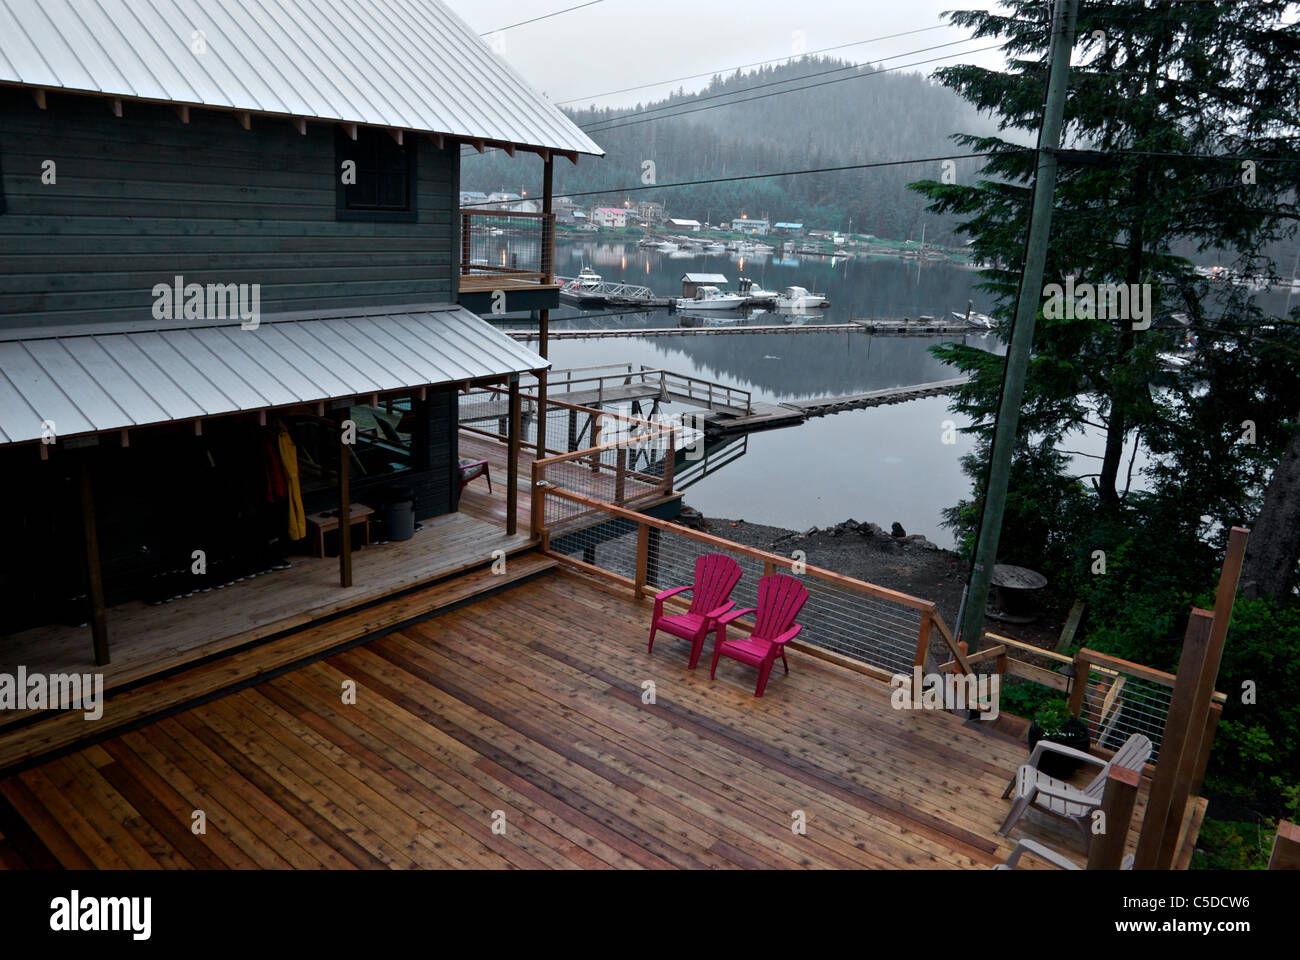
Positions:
{"x": 289, "y": 460}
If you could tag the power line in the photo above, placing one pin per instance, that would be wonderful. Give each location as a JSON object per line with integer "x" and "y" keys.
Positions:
{"x": 633, "y": 119}
{"x": 776, "y": 83}
{"x": 765, "y": 176}
{"x": 775, "y": 93}
{"x": 745, "y": 66}
{"x": 590, "y": 3}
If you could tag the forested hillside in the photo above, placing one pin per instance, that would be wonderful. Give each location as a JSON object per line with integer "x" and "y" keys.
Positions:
{"x": 838, "y": 114}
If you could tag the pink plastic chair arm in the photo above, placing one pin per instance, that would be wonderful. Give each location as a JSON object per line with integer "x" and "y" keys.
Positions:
{"x": 734, "y": 615}
{"x": 665, "y": 594}
{"x": 788, "y": 635}
{"x": 714, "y": 614}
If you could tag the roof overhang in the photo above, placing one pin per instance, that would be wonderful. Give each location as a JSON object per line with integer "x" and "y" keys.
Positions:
{"x": 88, "y": 379}
{"x": 409, "y": 66}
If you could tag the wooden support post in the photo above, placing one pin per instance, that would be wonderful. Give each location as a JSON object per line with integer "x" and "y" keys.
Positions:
{"x": 1106, "y": 850}
{"x": 1286, "y": 847}
{"x": 1207, "y": 744}
{"x": 1203, "y": 695}
{"x": 512, "y": 463}
{"x": 670, "y": 462}
{"x": 1080, "y": 685}
{"x": 345, "y": 506}
{"x": 573, "y": 431}
{"x": 94, "y": 576}
{"x": 642, "y": 558}
{"x": 539, "y": 447}
{"x": 620, "y": 476}
{"x": 1173, "y": 741}
{"x": 595, "y": 441}
{"x": 923, "y": 640}
{"x": 537, "y": 505}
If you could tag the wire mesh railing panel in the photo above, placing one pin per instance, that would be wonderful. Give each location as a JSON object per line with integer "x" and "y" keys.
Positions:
{"x": 854, "y": 623}
{"x": 499, "y": 243}
{"x": 1116, "y": 706}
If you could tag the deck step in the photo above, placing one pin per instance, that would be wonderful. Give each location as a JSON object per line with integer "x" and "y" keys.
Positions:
{"x": 57, "y": 730}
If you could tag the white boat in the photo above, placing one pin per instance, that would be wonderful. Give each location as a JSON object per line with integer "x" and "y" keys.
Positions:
{"x": 667, "y": 246}
{"x": 980, "y": 320}
{"x": 798, "y": 299}
{"x": 753, "y": 291}
{"x": 587, "y": 278}
{"x": 710, "y": 298}
{"x": 1173, "y": 361}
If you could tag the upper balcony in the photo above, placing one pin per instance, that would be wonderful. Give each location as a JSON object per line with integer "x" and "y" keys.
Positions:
{"x": 507, "y": 261}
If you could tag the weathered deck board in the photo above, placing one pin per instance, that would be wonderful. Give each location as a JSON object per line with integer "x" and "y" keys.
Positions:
{"x": 529, "y": 703}
{"x": 146, "y": 640}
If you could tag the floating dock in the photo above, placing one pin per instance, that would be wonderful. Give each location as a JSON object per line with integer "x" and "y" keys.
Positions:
{"x": 878, "y": 327}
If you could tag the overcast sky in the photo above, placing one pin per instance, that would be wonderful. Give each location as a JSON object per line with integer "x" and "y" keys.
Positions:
{"x": 623, "y": 43}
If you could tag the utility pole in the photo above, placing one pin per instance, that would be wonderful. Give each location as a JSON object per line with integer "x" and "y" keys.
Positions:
{"x": 1022, "y": 333}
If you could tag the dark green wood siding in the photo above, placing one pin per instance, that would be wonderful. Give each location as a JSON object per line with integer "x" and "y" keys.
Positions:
{"x": 142, "y": 198}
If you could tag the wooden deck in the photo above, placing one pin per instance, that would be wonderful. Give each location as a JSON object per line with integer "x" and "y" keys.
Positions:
{"x": 487, "y": 283}
{"x": 526, "y": 709}
{"x": 145, "y": 640}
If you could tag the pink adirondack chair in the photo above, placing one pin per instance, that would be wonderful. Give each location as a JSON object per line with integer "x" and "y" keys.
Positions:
{"x": 780, "y": 598}
{"x": 716, "y": 575}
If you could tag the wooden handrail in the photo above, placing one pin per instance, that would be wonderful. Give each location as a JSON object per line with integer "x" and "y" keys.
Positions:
{"x": 859, "y": 586}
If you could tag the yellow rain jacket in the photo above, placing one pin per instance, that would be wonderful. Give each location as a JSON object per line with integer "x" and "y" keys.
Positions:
{"x": 289, "y": 457}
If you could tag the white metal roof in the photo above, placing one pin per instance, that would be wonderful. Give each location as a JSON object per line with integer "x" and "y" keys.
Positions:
{"x": 130, "y": 375}
{"x": 703, "y": 278}
{"x": 408, "y": 64}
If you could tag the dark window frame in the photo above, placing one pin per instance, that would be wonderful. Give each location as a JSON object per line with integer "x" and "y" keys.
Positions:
{"x": 346, "y": 205}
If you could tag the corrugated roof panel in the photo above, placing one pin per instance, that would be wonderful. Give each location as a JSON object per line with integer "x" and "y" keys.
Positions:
{"x": 411, "y": 64}
{"x": 136, "y": 403}
{"x": 107, "y": 379}
{"x": 41, "y": 393}
{"x": 139, "y": 367}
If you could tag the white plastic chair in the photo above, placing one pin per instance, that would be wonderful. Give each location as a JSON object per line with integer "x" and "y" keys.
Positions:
{"x": 1032, "y": 787}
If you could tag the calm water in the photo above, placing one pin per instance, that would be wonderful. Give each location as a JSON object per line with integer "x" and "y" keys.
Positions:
{"x": 881, "y": 464}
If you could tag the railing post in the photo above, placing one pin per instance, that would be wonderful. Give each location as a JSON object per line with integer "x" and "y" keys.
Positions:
{"x": 642, "y": 558}
{"x": 1212, "y": 718}
{"x": 620, "y": 476}
{"x": 670, "y": 463}
{"x": 512, "y": 462}
{"x": 537, "y": 506}
{"x": 1080, "y": 685}
{"x": 464, "y": 244}
{"x": 1106, "y": 850}
{"x": 923, "y": 640}
{"x": 1286, "y": 847}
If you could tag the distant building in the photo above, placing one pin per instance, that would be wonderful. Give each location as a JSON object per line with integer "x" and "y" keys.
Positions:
{"x": 473, "y": 198}
{"x": 649, "y": 210}
{"x": 691, "y": 282}
{"x": 512, "y": 202}
{"x": 787, "y": 227}
{"x": 690, "y": 226}
{"x": 751, "y": 225}
{"x": 609, "y": 217}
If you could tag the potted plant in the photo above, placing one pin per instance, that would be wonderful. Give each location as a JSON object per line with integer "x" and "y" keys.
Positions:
{"x": 1054, "y": 722}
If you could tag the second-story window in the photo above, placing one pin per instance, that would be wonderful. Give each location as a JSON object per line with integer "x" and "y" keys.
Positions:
{"x": 376, "y": 176}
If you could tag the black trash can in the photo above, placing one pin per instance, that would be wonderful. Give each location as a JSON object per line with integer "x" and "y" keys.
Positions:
{"x": 397, "y": 514}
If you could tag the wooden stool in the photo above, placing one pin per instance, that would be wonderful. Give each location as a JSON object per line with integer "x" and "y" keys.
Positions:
{"x": 319, "y": 524}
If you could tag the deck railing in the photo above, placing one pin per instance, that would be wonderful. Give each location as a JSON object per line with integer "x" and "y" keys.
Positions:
{"x": 507, "y": 244}
{"x": 1116, "y": 698}
{"x": 673, "y": 386}
{"x": 869, "y": 628}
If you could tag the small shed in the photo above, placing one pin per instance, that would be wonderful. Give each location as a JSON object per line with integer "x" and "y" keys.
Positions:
{"x": 691, "y": 282}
